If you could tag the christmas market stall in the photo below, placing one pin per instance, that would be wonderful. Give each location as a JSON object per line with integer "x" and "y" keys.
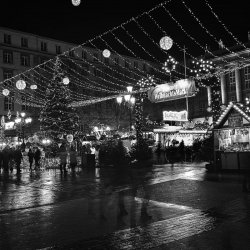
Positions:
{"x": 232, "y": 139}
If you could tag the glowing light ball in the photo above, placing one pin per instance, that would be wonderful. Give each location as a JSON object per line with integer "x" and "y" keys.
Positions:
{"x": 33, "y": 86}
{"x": 6, "y": 92}
{"x": 166, "y": 43}
{"x": 70, "y": 138}
{"x": 65, "y": 80}
{"x": 76, "y": 2}
{"x": 209, "y": 109}
{"x": 106, "y": 53}
{"x": 21, "y": 84}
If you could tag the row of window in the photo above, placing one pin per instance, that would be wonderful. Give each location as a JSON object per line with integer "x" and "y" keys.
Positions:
{"x": 58, "y": 49}
{"x": 232, "y": 81}
{"x": 9, "y": 103}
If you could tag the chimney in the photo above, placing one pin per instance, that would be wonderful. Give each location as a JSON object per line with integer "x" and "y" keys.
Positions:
{"x": 221, "y": 45}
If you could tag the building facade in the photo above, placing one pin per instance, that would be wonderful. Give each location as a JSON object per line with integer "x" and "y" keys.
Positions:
{"x": 20, "y": 51}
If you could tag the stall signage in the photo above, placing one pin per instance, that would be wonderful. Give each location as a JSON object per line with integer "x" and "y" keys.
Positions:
{"x": 172, "y": 91}
{"x": 9, "y": 125}
{"x": 235, "y": 120}
{"x": 175, "y": 116}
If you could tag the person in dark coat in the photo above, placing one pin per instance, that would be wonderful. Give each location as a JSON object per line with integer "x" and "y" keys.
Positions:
{"x": 73, "y": 159}
{"x": 6, "y": 158}
{"x": 31, "y": 157}
{"x": 37, "y": 157}
{"x": 18, "y": 158}
{"x": 63, "y": 158}
{"x": 1, "y": 159}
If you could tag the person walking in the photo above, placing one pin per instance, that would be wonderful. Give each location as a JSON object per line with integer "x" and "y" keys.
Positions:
{"x": 73, "y": 159}
{"x": 18, "y": 159}
{"x": 37, "y": 157}
{"x": 6, "y": 158}
{"x": 31, "y": 157}
{"x": 63, "y": 158}
{"x": 158, "y": 152}
{"x": 1, "y": 159}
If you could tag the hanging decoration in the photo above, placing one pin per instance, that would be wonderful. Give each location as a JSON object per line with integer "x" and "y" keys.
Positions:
{"x": 76, "y": 2}
{"x": 65, "y": 80}
{"x": 166, "y": 43}
{"x": 6, "y": 92}
{"x": 70, "y": 138}
{"x": 9, "y": 114}
{"x": 170, "y": 64}
{"x": 33, "y": 86}
{"x": 21, "y": 84}
{"x": 106, "y": 53}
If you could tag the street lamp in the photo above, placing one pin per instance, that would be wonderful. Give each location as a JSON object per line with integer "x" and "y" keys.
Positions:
{"x": 130, "y": 100}
{"x": 23, "y": 121}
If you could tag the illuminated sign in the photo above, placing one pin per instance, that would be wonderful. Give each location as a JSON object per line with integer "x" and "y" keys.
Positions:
{"x": 175, "y": 116}
{"x": 172, "y": 91}
{"x": 9, "y": 125}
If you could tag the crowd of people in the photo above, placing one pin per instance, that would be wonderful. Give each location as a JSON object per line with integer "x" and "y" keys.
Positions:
{"x": 11, "y": 157}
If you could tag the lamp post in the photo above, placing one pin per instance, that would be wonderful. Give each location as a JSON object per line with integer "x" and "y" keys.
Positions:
{"x": 130, "y": 100}
{"x": 23, "y": 121}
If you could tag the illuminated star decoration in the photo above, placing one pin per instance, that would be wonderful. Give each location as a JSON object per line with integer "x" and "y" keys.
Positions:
{"x": 170, "y": 64}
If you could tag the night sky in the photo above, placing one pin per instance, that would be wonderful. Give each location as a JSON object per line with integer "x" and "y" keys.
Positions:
{"x": 61, "y": 20}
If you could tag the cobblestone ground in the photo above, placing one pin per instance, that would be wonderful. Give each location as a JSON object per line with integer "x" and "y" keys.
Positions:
{"x": 165, "y": 207}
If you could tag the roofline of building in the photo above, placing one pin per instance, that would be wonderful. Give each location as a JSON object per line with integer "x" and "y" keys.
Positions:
{"x": 72, "y": 44}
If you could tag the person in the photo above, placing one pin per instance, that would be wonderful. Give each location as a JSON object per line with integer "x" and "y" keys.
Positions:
{"x": 6, "y": 158}
{"x": 31, "y": 157}
{"x": 73, "y": 159}
{"x": 18, "y": 158}
{"x": 1, "y": 158}
{"x": 37, "y": 157}
{"x": 63, "y": 158}
{"x": 158, "y": 152}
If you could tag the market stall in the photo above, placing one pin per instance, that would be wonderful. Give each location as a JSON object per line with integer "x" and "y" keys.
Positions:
{"x": 232, "y": 139}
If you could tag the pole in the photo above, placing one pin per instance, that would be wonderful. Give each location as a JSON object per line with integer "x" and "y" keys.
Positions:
{"x": 23, "y": 131}
{"x": 185, "y": 70}
{"x": 130, "y": 119}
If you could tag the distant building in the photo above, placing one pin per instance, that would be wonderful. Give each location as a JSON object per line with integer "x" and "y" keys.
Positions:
{"x": 20, "y": 51}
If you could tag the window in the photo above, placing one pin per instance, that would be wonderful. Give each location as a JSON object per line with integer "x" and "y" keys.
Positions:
{"x": 117, "y": 61}
{"x": 7, "y": 39}
{"x": 7, "y": 73}
{"x": 43, "y": 46}
{"x": 7, "y": 57}
{"x": 24, "y": 103}
{"x": 232, "y": 81}
{"x": 247, "y": 77}
{"x": 9, "y": 102}
{"x": 72, "y": 53}
{"x": 25, "y": 60}
{"x": 136, "y": 65}
{"x": 202, "y": 107}
{"x": 24, "y": 42}
{"x": 58, "y": 49}
{"x": 232, "y": 98}
{"x": 126, "y": 64}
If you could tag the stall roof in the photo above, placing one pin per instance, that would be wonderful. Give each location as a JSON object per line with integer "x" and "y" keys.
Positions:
{"x": 231, "y": 106}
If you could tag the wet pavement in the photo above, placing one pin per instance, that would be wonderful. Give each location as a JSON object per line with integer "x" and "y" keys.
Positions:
{"x": 164, "y": 207}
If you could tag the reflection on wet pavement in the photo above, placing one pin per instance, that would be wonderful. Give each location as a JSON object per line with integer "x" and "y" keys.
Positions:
{"x": 125, "y": 209}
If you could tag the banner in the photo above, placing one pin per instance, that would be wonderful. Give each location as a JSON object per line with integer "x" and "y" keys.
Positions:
{"x": 172, "y": 91}
{"x": 175, "y": 116}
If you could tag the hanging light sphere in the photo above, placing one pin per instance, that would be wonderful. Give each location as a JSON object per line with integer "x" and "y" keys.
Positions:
{"x": 33, "y": 86}
{"x": 6, "y": 92}
{"x": 209, "y": 109}
{"x": 76, "y": 2}
{"x": 21, "y": 84}
{"x": 106, "y": 53}
{"x": 166, "y": 43}
{"x": 65, "y": 80}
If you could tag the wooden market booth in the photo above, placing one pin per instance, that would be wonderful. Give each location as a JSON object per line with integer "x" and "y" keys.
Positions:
{"x": 232, "y": 139}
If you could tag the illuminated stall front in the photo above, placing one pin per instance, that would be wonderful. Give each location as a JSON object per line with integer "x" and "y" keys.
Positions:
{"x": 232, "y": 139}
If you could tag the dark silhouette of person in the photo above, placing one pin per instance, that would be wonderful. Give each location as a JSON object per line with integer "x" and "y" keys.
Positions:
{"x": 158, "y": 152}
{"x": 63, "y": 158}
{"x": 31, "y": 157}
{"x": 121, "y": 204}
{"x": 18, "y": 158}
{"x": 73, "y": 159}
{"x": 1, "y": 159}
{"x": 37, "y": 157}
{"x": 6, "y": 158}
